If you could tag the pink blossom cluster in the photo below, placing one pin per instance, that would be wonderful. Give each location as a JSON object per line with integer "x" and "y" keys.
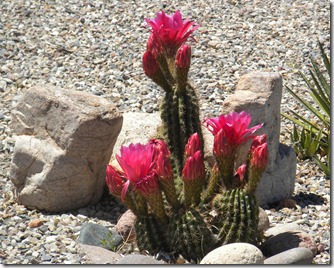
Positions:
{"x": 143, "y": 166}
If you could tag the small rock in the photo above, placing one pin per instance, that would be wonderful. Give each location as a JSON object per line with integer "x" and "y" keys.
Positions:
{"x": 292, "y": 256}
{"x": 93, "y": 234}
{"x": 288, "y": 240}
{"x": 97, "y": 255}
{"x": 138, "y": 259}
{"x": 263, "y": 221}
{"x": 125, "y": 225}
{"x": 235, "y": 253}
{"x": 35, "y": 223}
{"x": 282, "y": 228}
{"x": 46, "y": 257}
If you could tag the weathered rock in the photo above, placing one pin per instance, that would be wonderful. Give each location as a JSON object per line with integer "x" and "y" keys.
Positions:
{"x": 94, "y": 235}
{"x": 288, "y": 240}
{"x": 279, "y": 184}
{"x": 235, "y": 253}
{"x": 137, "y": 128}
{"x": 263, "y": 221}
{"x": 64, "y": 141}
{"x": 292, "y": 256}
{"x": 138, "y": 259}
{"x": 260, "y": 93}
{"x": 97, "y": 255}
{"x": 126, "y": 226}
{"x": 282, "y": 228}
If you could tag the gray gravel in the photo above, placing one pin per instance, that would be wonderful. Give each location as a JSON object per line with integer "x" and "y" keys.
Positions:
{"x": 96, "y": 46}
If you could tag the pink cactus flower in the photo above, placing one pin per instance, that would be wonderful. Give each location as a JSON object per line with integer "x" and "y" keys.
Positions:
{"x": 171, "y": 31}
{"x": 221, "y": 145}
{"x": 159, "y": 146}
{"x": 183, "y": 57}
{"x": 194, "y": 167}
{"x": 150, "y": 65}
{"x": 137, "y": 164}
{"x": 193, "y": 145}
{"x": 153, "y": 45}
{"x": 235, "y": 129}
{"x": 114, "y": 180}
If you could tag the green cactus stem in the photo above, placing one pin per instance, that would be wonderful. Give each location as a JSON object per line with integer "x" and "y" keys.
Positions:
{"x": 192, "y": 192}
{"x": 189, "y": 235}
{"x": 213, "y": 186}
{"x": 140, "y": 202}
{"x": 238, "y": 219}
{"x": 180, "y": 117}
{"x": 151, "y": 234}
{"x": 226, "y": 169}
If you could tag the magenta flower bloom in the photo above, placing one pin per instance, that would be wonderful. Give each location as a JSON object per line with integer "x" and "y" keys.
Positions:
{"x": 193, "y": 145}
{"x": 232, "y": 129}
{"x": 137, "y": 164}
{"x": 114, "y": 180}
{"x": 171, "y": 31}
{"x": 159, "y": 146}
{"x": 150, "y": 65}
{"x": 240, "y": 174}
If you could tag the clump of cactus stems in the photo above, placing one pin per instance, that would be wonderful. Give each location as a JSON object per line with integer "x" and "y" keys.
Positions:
{"x": 165, "y": 182}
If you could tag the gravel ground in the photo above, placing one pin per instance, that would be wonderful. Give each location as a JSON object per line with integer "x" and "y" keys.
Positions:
{"x": 96, "y": 46}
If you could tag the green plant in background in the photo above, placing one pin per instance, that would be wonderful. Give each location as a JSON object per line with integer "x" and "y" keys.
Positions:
{"x": 166, "y": 183}
{"x": 311, "y": 138}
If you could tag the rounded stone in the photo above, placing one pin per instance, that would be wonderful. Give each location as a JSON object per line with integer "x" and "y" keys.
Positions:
{"x": 264, "y": 222}
{"x": 138, "y": 259}
{"x": 125, "y": 225}
{"x": 235, "y": 253}
{"x": 288, "y": 240}
{"x": 282, "y": 228}
{"x": 292, "y": 256}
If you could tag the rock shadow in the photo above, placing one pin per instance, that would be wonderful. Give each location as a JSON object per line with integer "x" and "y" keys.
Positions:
{"x": 305, "y": 199}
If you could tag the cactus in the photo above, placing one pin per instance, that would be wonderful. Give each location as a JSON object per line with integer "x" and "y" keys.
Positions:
{"x": 151, "y": 233}
{"x": 238, "y": 217}
{"x": 180, "y": 117}
{"x": 190, "y": 236}
{"x": 165, "y": 183}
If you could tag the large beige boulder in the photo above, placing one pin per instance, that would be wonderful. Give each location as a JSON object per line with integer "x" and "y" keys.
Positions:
{"x": 64, "y": 139}
{"x": 260, "y": 94}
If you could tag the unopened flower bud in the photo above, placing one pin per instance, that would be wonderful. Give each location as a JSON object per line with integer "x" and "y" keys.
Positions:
{"x": 183, "y": 57}
{"x": 259, "y": 158}
{"x": 194, "y": 144}
{"x": 194, "y": 167}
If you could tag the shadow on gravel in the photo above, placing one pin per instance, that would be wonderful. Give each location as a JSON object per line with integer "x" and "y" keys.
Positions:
{"x": 304, "y": 200}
